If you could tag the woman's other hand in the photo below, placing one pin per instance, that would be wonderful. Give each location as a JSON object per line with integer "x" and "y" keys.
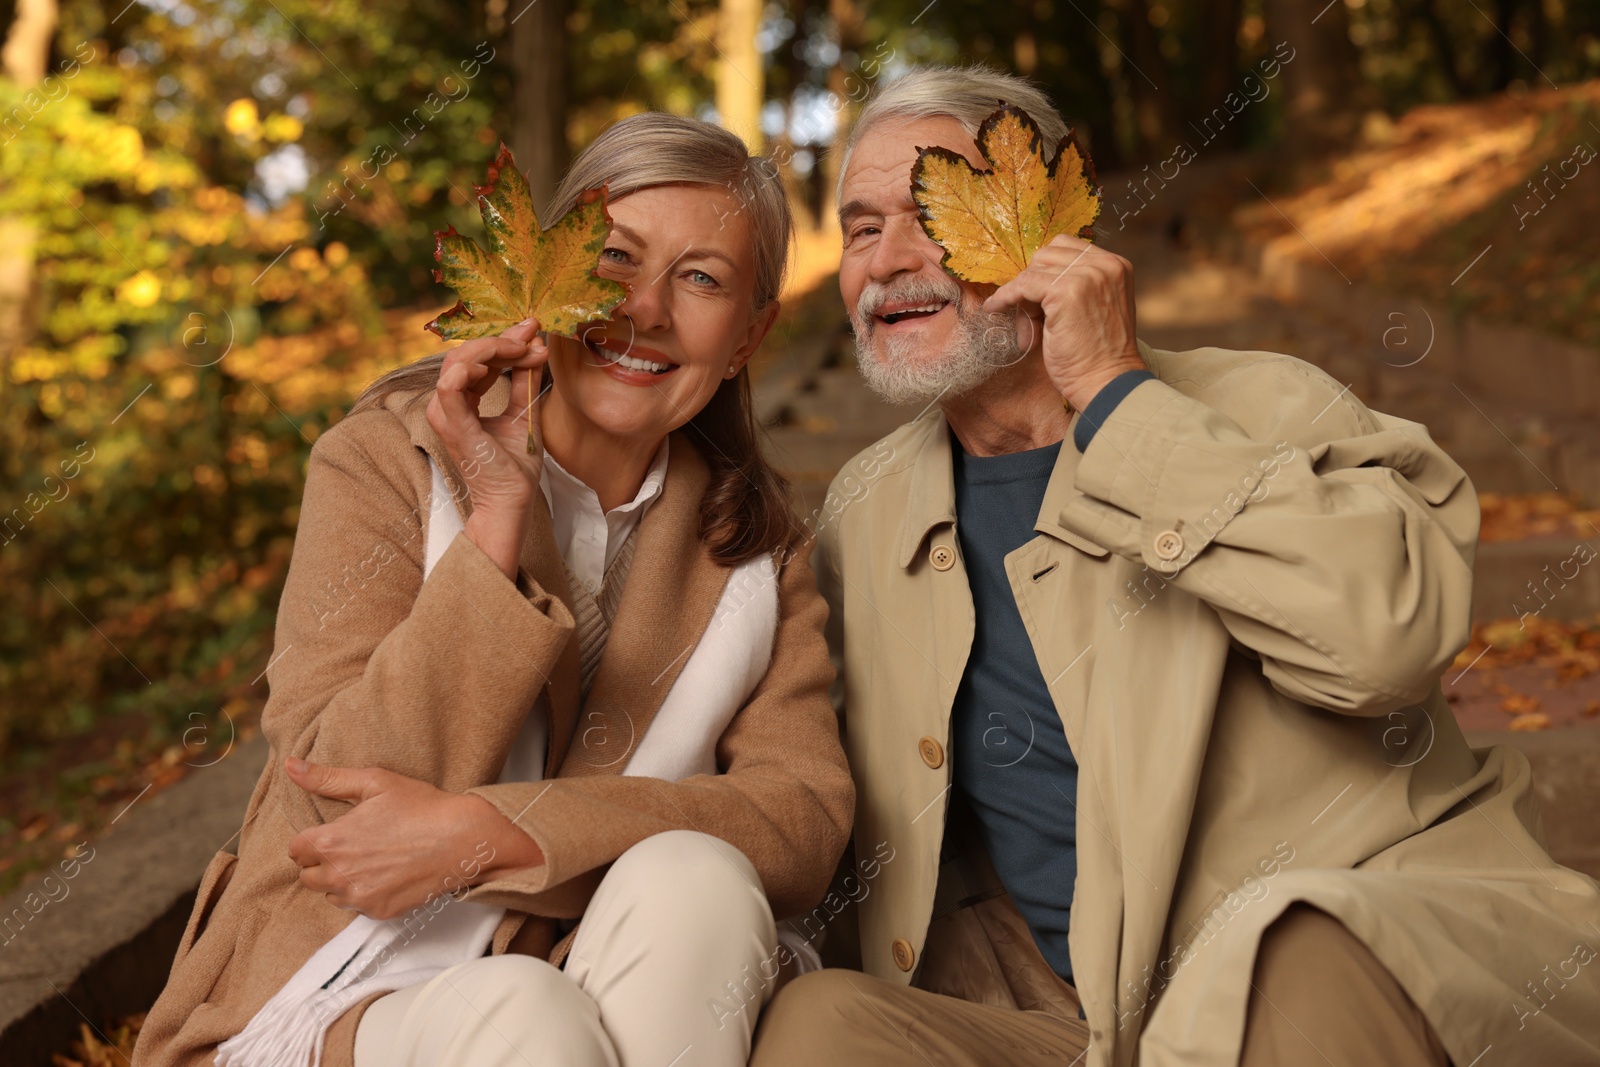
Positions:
{"x": 500, "y": 456}
{"x": 403, "y": 844}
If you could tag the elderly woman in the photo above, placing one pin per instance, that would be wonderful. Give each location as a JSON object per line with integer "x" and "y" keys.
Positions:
{"x": 550, "y": 732}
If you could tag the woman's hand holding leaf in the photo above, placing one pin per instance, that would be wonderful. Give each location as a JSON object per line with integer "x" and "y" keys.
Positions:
{"x": 498, "y": 455}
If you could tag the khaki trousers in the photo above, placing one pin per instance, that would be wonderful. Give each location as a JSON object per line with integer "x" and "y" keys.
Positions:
{"x": 1320, "y": 999}
{"x": 666, "y": 969}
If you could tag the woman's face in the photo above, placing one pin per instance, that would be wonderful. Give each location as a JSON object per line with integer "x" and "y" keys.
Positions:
{"x": 685, "y": 253}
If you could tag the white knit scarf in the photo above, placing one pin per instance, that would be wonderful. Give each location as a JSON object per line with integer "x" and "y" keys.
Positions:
{"x": 379, "y": 956}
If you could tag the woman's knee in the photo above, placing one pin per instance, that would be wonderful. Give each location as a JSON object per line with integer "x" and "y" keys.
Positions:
{"x": 493, "y": 1009}
{"x": 686, "y": 865}
{"x": 512, "y": 985}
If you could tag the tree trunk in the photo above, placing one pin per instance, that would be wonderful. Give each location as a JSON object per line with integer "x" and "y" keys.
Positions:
{"x": 25, "y": 58}
{"x": 1444, "y": 48}
{"x": 739, "y": 76}
{"x": 1324, "y": 92}
{"x": 1219, "y": 67}
{"x": 539, "y": 95}
{"x": 1501, "y": 64}
{"x": 807, "y": 191}
{"x": 1155, "y": 97}
{"x": 849, "y": 93}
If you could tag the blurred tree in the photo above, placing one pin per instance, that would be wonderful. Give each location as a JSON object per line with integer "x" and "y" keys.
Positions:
{"x": 24, "y": 57}
{"x": 1325, "y": 93}
{"x": 539, "y": 102}
{"x": 739, "y": 75}
{"x": 849, "y": 26}
{"x": 1154, "y": 88}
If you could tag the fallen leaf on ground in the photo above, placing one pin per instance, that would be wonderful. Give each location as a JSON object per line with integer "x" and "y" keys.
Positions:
{"x": 1572, "y": 648}
{"x": 90, "y": 1051}
{"x": 1519, "y": 704}
{"x": 1536, "y": 721}
{"x": 1518, "y": 516}
{"x": 991, "y": 222}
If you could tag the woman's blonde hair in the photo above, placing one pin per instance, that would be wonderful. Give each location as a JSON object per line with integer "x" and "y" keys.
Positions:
{"x": 746, "y": 511}
{"x": 656, "y": 148}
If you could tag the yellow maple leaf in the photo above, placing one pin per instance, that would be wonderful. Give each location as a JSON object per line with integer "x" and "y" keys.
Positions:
{"x": 526, "y": 270}
{"x": 991, "y": 222}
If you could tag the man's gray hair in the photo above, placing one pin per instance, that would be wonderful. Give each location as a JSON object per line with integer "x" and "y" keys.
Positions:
{"x": 967, "y": 94}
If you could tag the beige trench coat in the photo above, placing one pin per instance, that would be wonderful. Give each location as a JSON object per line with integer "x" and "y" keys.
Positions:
{"x": 1242, "y": 597}
{"x": 374, "y": 667}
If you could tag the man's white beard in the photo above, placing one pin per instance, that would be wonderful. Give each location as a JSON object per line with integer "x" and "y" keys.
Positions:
{"x": 905, "y": 373}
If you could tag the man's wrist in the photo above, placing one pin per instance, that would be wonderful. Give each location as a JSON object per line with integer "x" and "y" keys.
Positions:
{"x": 1081, "y": 391}
{"x": 1104, "y": 401}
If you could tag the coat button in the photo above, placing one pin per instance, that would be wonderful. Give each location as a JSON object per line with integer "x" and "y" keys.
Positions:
{"x": 904, "y": 957}
{"x": 932, "y": 752}
{"x": 942, "y": 557}
{"x": 1169, "y": 544}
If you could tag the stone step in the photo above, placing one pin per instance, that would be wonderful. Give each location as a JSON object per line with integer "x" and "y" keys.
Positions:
{"x": 98, "y": 945}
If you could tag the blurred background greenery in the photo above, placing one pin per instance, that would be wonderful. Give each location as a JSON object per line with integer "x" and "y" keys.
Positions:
{"x": 215, "y": 227}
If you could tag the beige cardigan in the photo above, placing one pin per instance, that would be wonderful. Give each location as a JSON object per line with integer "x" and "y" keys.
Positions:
{"x": 372, "y": 667}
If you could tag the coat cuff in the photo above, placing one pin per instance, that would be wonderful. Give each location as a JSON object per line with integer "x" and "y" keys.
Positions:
{"x": 562, "y": 825}
{"x": 1104, "y": 403}
{"x": 1157, "y": 461}
{"x": 497, "y": 614}
{"x": 1122, "y": 465}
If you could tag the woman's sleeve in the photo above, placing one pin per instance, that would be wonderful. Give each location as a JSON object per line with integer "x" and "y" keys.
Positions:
{"x": 785, "y": 798}
{"x": 372, "y": 666}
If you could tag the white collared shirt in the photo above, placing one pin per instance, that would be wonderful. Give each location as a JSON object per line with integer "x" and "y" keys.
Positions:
{"x": 586, "y": 537}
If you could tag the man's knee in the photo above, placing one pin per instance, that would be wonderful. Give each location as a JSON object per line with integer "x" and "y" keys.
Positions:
{"x": 1318, "y": 988}
{"x": 813, "y": 1016}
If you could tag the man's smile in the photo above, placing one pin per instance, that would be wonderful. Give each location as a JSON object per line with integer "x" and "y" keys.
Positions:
{"x": 897, "y": 311}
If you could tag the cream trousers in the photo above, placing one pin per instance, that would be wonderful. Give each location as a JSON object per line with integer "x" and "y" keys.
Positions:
{"x": 666, "y": 971}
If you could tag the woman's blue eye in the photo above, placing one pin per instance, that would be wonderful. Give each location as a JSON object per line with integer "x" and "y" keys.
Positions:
{"x": 702, "y": 278}
{"x": 622, "y": 256}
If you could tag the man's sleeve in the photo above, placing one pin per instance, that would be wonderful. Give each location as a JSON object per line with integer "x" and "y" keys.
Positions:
{"x": 1335, "y": 543}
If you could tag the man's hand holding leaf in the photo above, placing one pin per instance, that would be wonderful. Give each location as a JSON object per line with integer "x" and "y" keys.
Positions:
{"x": 1024, "y": 225}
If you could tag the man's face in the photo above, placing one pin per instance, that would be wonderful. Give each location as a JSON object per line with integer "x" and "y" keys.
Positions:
{"x": 920, "y": 333}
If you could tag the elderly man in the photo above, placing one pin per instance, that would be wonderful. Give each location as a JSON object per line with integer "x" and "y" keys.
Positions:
{"x": 1140, "y": 660}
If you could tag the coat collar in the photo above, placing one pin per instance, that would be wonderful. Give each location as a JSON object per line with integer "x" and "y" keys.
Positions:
{"x": 671, "y": 593}
{"x": 932, "y": 498}
{"x": 932, "y": 501}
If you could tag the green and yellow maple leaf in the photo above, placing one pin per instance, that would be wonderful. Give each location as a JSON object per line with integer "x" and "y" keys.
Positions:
{"x": 991, "y": 222}
{"x": 548, "y": 274}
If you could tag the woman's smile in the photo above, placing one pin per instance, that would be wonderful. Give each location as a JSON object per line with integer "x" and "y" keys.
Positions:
{"x": 684, "y": 250}
{"x": 627, "y": 361}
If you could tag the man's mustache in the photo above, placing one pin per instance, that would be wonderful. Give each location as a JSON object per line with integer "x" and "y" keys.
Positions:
{"x": 917, "y": 290}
